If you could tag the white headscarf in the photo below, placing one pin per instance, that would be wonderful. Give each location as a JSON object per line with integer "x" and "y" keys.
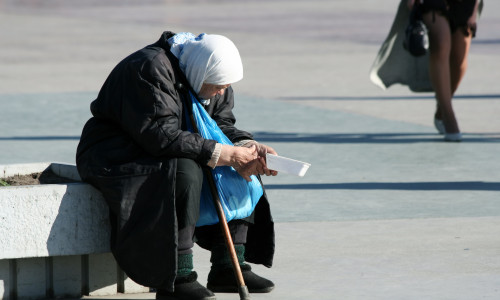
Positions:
{"x": 207, "y": 58}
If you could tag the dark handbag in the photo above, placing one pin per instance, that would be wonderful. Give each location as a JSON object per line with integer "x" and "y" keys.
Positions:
{"x": 416, "y": 39}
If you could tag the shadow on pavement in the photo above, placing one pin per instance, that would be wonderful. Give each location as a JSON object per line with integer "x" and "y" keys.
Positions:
{"x": 38, "y": 138}
{"x": 341, "y": 138}
{"x": 407, "y": 186}
{"x": 427, "y": 96}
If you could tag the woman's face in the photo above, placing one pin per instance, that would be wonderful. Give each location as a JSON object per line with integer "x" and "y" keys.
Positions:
{"x": 208, "y": 91}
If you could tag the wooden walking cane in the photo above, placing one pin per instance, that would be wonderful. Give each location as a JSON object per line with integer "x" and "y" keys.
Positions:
{"x": 242, "y": 288}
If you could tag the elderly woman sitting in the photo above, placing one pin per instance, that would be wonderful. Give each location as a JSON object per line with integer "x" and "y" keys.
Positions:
{"x": 137, "y": 150}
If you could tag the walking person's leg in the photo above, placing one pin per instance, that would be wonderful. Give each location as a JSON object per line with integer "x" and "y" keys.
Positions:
{"x": 464, "y": 29}
{"x": 440, "y": 48}
{"x": 458, "y": 58}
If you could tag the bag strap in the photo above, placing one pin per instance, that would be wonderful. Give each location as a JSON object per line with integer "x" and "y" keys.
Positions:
{"x": 416, "y": 12}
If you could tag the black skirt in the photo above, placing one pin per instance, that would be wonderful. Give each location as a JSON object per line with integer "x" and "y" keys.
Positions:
{"x": 458, "y": 13}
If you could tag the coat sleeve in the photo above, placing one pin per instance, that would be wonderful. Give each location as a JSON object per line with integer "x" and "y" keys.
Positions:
{"x": 223, "y": 114}
{"x": 152, "y": 113}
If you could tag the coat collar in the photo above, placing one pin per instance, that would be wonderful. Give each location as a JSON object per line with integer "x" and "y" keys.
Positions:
{"x": 181, "y": 83}
{"x": 163, "y": 41}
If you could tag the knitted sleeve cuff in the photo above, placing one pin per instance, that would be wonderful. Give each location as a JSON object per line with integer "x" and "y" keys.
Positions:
{"x": 243, "y": 143}
{"x": 212, "y": 163}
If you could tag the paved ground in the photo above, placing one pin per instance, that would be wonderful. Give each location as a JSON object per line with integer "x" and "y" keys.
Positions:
{"x": 387, "y": 210}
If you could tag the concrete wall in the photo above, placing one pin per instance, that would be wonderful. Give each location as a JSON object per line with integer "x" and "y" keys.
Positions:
{"x": 55, "y": 239}
{"x": 64, "y": 277}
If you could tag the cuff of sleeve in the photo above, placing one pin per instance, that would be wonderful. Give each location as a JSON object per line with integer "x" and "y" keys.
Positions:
{"x": 243, "y": 143}
{"x": 212, "y": 163}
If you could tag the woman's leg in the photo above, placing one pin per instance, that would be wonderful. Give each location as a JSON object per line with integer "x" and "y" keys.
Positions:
{"x": 189, "y": 179}
{"x": 458, "y": 57}
{"x": 440, "y": 48}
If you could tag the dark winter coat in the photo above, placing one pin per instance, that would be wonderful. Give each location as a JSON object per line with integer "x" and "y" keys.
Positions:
{"x": 128, "y": 151}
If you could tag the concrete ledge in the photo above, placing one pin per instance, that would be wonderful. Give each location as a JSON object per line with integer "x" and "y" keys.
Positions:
{"x": 22, "y": 169}
{"x": 63, "y": 170}
{"x": 52, "y": 219}
{"x": 55, "y": 239}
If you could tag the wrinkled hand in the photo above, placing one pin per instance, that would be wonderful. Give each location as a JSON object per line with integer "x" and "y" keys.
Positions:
{"x": 243, "y": 159}
{"x": 262, "y": 150}
{"x": 252, "y": 168}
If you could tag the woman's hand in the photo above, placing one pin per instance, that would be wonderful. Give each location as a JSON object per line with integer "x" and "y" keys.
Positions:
{"x": 252, "y": 168}
{"x": 247, "y": 160}
{"x": 243, "y": 159}
{"x": 262, "y": 150}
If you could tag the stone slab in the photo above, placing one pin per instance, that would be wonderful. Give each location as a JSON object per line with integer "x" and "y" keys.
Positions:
{"x": 51, "y": 219}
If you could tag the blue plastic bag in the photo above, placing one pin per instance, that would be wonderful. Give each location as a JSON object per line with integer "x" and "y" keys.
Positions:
{"x": 237, "y": 196}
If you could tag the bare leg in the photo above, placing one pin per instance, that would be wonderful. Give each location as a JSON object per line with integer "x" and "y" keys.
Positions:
{"x": 440, "y": 48}
{"x": 458, "y": 58}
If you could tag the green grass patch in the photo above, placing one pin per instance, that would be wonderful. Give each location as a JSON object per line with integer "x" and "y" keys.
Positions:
{"x": 3, "y": 183}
